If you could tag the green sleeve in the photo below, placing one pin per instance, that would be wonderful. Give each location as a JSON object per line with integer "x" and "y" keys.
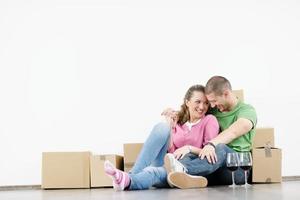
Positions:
{"x": 248, "y": 112}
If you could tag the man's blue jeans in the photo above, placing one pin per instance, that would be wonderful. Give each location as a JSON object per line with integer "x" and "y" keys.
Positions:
{"x": 148, "y": 169}
{"x": 217, "y": 174}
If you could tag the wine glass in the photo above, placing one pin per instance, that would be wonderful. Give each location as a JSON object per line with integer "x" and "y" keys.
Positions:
{"x": 245, "y": 163}
{"x": 232, "y": 164}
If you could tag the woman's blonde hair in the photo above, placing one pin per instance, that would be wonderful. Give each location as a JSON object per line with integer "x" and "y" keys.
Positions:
{"x": 184, "y": 114}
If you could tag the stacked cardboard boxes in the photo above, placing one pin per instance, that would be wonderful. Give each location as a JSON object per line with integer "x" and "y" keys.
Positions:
{"x": 266, "y": 158}
{"x": 76, "y": 170}
{"x": 239, "y": 94}
{"x": 131, "y": 152}
{"x": 82, "y": 169}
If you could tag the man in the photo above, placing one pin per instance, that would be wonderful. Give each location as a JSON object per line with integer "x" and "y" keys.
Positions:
{"x": 237, "y": 122}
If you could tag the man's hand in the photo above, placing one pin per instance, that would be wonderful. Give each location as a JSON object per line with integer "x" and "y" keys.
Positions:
{"x": 181, "y": 152}
{"x": 169, "y": 112}
{"x": 209, "y": 153}
{"x": 171, "y": 116}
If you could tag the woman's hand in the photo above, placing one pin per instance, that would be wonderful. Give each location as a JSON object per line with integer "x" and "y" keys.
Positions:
{"x": 181, "y": 152}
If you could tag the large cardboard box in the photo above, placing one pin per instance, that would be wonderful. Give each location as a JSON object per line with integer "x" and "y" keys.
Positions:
{"x": 266, "y": 165}
{"x": 66, "y": 170}
{"x": 263, "y": 137}
{"x": 98, "y": 176}
{"x": 131, "y": 152}
{"x": 239, "y": 94}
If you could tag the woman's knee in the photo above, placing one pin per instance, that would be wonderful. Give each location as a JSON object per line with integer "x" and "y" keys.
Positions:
{"x": 162, "y": 131}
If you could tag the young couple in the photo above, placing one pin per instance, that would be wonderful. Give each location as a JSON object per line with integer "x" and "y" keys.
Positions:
{"x": 190, "y": 149}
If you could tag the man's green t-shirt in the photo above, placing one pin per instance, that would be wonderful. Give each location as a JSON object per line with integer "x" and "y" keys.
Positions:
{"x": 225, "y": 119}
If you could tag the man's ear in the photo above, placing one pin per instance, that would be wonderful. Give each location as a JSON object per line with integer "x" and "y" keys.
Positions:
{"x": 226, "y": 93}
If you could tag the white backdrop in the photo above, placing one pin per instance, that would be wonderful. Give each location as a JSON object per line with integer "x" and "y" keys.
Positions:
{"x": 94, "y": 74}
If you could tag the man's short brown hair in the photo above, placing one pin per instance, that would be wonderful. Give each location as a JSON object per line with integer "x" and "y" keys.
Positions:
{"x": 217, "y": 85}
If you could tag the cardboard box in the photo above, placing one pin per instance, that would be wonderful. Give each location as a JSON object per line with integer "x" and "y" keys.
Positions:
{"x": 131, "y": 152}
{"x": 98, "y": 176}
{"x": 263, "y": 137}
{"x": 66, "y": 170}
{"x": 266, "y": 165}
{"x": 239, "y": 94}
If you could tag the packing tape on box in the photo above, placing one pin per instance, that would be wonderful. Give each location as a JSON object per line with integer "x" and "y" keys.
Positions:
{"x": 268, "y": 180}
{"x": 268, "y": 152}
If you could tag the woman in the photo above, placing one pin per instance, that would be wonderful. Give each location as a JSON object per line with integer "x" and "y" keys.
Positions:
{"x": 187, "y": 133}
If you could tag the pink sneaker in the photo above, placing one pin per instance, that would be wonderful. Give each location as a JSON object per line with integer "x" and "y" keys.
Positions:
{"x": 121, "y": 180}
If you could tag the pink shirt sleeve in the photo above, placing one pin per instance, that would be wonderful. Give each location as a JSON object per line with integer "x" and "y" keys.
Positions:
{"x": 211, "y": 129}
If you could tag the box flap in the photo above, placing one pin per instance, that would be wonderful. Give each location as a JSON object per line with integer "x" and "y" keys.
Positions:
{"x": 263, "y": 137}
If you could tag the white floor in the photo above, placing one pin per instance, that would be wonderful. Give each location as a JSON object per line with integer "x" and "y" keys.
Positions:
{"x": 289, "y": 190}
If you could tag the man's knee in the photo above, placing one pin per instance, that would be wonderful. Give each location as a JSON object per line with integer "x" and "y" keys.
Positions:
{"x": 221, "y": 152}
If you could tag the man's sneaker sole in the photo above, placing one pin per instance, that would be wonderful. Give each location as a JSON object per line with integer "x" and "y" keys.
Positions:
{"x": 186, "y": 181}
{"x": 167, "y": 164}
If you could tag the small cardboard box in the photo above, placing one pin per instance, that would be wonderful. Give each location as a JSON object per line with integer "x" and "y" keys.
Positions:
{"x": 266, "y": 165}
{"x": 131, "y": 152}
{"x": 98, "y": 176}
{"x": 66, "y": 170}
{"x": 263, "y": 137}
{"x": 239, "y": 94}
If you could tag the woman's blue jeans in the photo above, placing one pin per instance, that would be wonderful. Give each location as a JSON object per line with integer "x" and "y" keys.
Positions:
{"x": 148, "y": 169}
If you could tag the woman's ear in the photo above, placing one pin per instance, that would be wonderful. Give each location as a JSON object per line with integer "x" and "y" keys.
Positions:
{"x": 187, "y": 103}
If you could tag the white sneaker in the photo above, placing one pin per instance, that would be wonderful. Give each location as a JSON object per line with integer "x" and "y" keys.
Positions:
{"x": 185, "y": 181}
{"x": 172, "y": 164}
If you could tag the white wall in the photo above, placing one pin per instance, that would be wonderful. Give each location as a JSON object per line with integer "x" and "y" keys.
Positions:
{"x": 92, "y": 75}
